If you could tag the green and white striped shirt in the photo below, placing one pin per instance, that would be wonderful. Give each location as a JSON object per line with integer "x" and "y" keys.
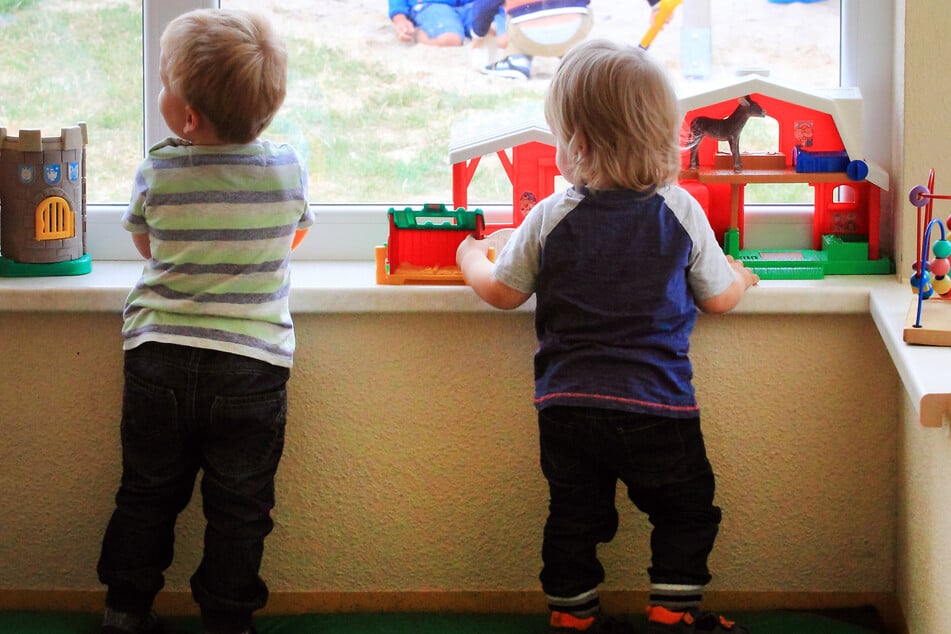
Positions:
{"x": 220, "y": 221}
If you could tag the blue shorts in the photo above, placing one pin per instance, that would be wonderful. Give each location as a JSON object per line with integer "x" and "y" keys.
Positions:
{"x": 436, "y": 18}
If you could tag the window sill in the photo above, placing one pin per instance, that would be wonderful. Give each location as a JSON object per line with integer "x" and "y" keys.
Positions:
{"x": 320, "y": 286}
{"x": 350, "y": 287}
{"x": 922, "y": 369}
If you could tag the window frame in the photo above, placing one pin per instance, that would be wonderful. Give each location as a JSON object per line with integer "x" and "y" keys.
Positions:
{"x": 350, "y": 231}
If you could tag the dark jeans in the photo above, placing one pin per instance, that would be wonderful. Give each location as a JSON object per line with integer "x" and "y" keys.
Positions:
{"x": 187, "y": 409}
{"x": 663, "y": 463}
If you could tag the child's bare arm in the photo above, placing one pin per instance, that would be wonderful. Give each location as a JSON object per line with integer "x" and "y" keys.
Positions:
{"x": 728, "y": 299}
{"x": 477, "y": 270}
{"x": 142, "y": 244}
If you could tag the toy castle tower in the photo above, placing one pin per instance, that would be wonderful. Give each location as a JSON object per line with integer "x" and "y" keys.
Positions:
{"x": 43, "y": 203}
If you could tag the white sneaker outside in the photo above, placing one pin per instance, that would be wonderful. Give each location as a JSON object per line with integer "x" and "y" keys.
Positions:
{"x": 511, "y": 67}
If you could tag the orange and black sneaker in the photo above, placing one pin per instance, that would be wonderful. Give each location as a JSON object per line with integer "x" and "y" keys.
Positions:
{"x": 660, "y": 620}
{"x": 565, "y": 623}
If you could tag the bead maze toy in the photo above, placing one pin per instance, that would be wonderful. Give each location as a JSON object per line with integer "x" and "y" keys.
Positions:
{"x": 43, "y": 203}
{"x": 421, "y": 245}
{"x": 930, "y": 279}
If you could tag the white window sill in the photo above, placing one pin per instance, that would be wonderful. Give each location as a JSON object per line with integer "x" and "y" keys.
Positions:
{"x": 923, "y": 369}
{"x": 320, "y": 286}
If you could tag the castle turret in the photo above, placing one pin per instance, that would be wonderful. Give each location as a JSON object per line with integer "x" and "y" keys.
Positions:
{"x": 43, "y": 203}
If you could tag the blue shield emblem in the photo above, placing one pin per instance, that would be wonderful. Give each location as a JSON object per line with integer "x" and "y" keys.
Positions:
{"x": 72, "y": 171}
{"x": 51, "y": 173}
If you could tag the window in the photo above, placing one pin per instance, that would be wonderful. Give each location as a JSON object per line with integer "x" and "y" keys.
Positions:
{"x": 374, "y": 118}
{"x": 69, "y": 62}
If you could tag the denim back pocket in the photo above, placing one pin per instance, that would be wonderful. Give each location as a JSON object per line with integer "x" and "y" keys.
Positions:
{"x": 151, "y": 430}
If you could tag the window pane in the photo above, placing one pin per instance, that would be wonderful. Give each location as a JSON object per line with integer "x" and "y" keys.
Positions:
{"x": 65, "y": 62}
{"x": 374, "y": 117}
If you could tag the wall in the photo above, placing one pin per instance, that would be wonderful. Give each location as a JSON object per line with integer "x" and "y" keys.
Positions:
{"x": 923, "y": 97}
{"x": 411, "y": 458}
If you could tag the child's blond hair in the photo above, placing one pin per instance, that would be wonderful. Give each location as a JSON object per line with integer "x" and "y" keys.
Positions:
{"x": 230, "y": 65}
{"x": 618, "y": 105}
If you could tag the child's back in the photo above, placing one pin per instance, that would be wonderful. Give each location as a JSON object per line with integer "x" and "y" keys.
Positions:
{"x": 220, "y": 219}
{"x": 619, "y": 264}
{"x": 208, "y": 335}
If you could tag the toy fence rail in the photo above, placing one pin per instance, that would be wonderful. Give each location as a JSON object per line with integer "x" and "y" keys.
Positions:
{"x": 437, "y": 216}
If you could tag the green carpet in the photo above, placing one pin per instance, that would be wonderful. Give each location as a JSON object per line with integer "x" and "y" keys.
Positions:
{"x": 860, "y": 621}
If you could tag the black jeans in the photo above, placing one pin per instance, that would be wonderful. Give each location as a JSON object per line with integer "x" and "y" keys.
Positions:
{"x": 188, "y": 409}
{"x": 663, "y": 463}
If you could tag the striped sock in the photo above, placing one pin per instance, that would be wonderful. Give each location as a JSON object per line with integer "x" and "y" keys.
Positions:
{"x": 675, "y": 596}
{"x": 582, "y": 606}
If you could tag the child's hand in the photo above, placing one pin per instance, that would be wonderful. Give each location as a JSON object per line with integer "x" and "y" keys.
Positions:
{"x": 749, "y": 277}
{"x": 472, "y": 256}
{"x": 471, "y": 246}
{"x": 405, "y": 29}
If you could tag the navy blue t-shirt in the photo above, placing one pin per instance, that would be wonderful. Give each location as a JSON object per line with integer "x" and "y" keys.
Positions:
{"x": 616, "y": 274}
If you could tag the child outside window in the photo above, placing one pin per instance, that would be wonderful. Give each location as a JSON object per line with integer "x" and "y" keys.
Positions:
{"x": 619, "y": 263}
{"x": 560, "y": 24}
{"x": 439, "y": 22}
{"x": 208, "y": 335}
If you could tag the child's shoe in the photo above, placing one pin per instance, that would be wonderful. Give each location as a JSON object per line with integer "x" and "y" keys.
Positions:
{"x": 564, "y": 623}
{"x": 660, "y": 620}
{"x": 511, "y": 67}
{"x": 116, "y": 622}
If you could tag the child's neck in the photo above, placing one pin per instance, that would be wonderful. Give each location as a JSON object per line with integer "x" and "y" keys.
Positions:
{"x": 205, "y": 137}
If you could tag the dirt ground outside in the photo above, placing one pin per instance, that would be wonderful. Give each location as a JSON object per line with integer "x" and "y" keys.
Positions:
{"x": 796, "y": 41}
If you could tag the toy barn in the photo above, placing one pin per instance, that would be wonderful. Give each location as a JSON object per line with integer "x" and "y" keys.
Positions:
{"x": 421, "y": 243}
{"x": 526, "y": 150}
{"x": 818, "y": 143}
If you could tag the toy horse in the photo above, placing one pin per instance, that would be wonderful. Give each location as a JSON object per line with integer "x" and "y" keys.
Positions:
{"x": 723, "y": 130}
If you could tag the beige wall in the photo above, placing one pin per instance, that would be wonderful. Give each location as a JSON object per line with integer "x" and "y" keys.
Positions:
{"x": 923, "y": 102}
{"x": 411, "y": 459}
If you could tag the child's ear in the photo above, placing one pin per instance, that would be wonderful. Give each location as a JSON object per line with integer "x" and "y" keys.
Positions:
{"x": 193, "y": 120}
{"x": 581, "y": 145}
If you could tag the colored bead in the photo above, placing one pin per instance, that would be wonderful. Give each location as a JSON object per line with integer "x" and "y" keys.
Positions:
{"x": 941, "y": 285}
{"x": 941, "y": 249}
{"x": 939, "y": 267}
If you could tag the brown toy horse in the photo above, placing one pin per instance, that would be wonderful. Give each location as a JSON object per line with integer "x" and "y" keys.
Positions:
{"x": 723, "y": 130}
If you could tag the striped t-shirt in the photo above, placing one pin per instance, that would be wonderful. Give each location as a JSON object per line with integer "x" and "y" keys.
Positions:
{"x": 220, "y": 221}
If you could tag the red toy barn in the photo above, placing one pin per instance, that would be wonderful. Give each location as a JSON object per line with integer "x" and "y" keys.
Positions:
{"x": 526, "y": 150}
{"x": 819, "y": 143}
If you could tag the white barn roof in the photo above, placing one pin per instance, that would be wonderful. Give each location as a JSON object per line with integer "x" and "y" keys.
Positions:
{"x": 472, "y": 139}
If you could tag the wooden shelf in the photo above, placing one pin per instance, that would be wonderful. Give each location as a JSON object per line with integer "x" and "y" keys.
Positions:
{"x": 789, "y": 175}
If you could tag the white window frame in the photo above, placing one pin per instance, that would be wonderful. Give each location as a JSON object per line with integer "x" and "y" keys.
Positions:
{"x": 351, "y": 231}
